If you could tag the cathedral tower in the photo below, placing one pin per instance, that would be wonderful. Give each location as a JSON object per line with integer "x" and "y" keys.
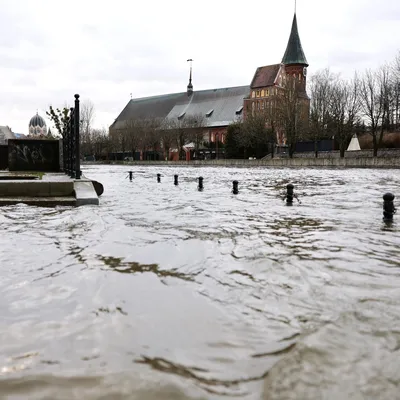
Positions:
{"x": 294, "y": 60}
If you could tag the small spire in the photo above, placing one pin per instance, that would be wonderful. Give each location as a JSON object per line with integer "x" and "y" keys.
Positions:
{"x": 190, "y": 85}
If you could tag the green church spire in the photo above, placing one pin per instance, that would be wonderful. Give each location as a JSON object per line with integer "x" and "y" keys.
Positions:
{"x": 294, "y": 53}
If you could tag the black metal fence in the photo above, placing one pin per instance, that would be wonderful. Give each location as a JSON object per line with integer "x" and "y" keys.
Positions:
{"x": 71, "y": 150}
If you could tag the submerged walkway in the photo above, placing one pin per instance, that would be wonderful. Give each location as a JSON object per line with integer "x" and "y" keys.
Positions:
{"x": 47, "y": 189}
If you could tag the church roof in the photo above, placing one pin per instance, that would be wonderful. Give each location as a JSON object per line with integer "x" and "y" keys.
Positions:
{"x": 265, "y": 76}
{"x": 294, "y": 53}
{"x": 219, "y": 107}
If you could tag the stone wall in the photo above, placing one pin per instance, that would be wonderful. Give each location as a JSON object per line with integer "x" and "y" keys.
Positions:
{"x": 387, "y": 158}
{"x": 348, "y": 154}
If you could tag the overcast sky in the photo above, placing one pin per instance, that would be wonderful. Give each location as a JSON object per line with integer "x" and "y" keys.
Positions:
{"x": 52, "y": 49}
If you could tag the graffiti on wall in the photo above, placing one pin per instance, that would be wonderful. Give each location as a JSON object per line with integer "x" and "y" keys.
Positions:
{"x": 40, "y": 155}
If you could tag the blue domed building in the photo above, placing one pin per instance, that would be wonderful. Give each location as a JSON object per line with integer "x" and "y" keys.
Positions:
{"x": 37, "y": 126}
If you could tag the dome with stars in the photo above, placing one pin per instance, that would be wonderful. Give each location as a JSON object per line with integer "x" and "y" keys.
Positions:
{"x": 37, "y": 126}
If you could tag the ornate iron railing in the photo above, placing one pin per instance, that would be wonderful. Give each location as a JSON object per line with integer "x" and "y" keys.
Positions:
{"x": 71, "y": 141}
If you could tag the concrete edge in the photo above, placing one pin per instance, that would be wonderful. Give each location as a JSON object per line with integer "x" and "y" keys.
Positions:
{"x": 85, "y": 193}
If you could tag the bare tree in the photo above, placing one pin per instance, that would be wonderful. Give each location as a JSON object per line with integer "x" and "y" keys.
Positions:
{"x": 195, "y": 126}
{"x": 167, "y": 137}
{"x": 133, "y": 133}
{"x": 86, "y": 115}
{"x": 386, "y": 94}
{"x": 292, "y": 112}
{"x": 396, "y": 92}
{"x": 101, "y": 143}
{"x": 152, "y": 134}
{"x": 372, "y": 104}
{"x": 320, "y": 90}
{"x": 344, "y": 106}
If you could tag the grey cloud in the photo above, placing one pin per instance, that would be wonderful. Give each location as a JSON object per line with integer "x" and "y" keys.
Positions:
{"x": 14, "y": 28}
{"x": 22, "y": 62}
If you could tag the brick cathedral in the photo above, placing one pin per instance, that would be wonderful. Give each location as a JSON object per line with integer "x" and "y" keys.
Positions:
{"x": 223, "y": 106}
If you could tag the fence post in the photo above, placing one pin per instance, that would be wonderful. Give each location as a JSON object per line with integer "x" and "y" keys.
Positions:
{"x": 77, "y": 140}
{"x": 71, "y": 144}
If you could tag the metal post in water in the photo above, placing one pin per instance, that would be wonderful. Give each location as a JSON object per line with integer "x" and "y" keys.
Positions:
{"x": 176, "y": 180}
{"x": 130, "y": 175}
{"x": 200, "y": 187}
{"x": 289, "y": 194}
{"x": 235, "y": 187}
{"x": 388, "y": 207}
{"x": 158, "y": 178}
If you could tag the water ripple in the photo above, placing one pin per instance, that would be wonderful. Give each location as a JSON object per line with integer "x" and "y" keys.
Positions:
{"x": 164, "y": 291}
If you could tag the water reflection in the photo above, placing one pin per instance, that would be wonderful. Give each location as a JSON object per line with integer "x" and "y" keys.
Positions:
{"x": 129, "y": 267}
{"x": 210, "y": 385}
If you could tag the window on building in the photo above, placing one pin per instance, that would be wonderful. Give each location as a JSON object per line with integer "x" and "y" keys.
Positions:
{"x": 258, "y": 105}
{"x": 262, "y": 93}
{"x": 209, "y": 113}
{"x": 253, "y": 94}
{"x": 263, "y": 105}
{"x": 239, "y": 110}
{"x": 267, "y": 92}
{"x": 258, "y": 93}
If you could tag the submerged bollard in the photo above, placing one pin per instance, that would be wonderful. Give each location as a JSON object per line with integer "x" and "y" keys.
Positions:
{"x": 158, "y": 178}
{"x": 235, "y": 187}
{"x": 200, "y": 187}
{"x": 130, "y": 175}
{"x": 289, "y": 194}
{"x": 388, "y": 207}
{"x": 176, "y": 180}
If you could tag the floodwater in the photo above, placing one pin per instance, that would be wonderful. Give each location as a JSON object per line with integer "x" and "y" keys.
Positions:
{"x": 166, "y": 292}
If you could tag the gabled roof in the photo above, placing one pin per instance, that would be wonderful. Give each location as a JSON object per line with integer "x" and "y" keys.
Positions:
{"x": 224, "y": 102}
{"x": 294, "y": 53}
{"x": 265, "y": 76}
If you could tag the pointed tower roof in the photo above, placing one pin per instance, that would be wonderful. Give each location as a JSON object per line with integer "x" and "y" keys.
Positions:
{"x": 294, "y": 53}
{"x": 190, "y": 85}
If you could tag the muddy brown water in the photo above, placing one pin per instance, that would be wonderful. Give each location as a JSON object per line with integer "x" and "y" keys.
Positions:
{"x": 165, "y": 292}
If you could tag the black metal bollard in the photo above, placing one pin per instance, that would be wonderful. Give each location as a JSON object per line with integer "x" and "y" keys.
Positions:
{"x": 158, "y": 178}
{"x": 130, "y": 175}
{"x": 176, "y": 180}
{"x": 289, "y": 194}
{"x": 235, "y": 187}
{"x": 388, "y": 207}
{"x": 200, "y": 187}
